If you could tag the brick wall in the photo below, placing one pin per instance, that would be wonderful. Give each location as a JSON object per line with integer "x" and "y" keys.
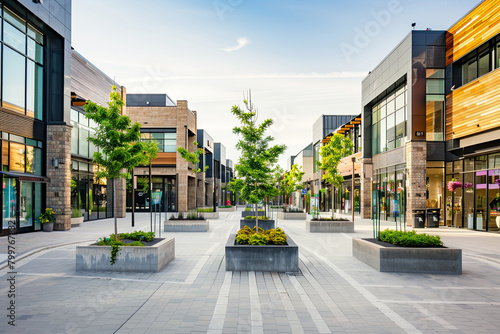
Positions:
{"x": 416, "y": 161}
{"x": 59, "y": 188}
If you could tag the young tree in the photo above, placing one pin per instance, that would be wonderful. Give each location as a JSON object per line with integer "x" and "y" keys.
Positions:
{"x": 194, "y": 158}
{"x": 257, "y": 157}
{"x": 118, "y": 141}
{"x": 331, "y": 153}
{"x": 291, "y": 182}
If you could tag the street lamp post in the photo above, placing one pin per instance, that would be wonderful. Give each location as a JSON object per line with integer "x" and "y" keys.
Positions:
{"x": 352, "y": 189}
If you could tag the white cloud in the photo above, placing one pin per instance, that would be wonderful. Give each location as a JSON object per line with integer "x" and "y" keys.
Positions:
{"x": 242, "y": 41}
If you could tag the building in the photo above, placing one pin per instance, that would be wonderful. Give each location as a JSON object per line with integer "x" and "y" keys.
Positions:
{"x": 35, "y": 113}
{"x": 206, "y": 142}
{"x": 430, "y": 118}
{"x": 220, "y": 173}
{"x": 171, "y": 125}
{"x": 323, "y": 126}
{"x": 90, "y": 196}
{"x": 230, "y": 196}
{"x": 472, "y": 122}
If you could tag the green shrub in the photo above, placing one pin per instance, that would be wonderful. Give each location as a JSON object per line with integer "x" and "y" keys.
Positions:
{"x": 248, "y": 209}
{"x": 226, "y": 206}
{"x": 137, "y": 236}
{"x": 409, "y": 239}
{"x": 205, "y": 209}
{"x": 247, "y": 236}
{"x": 257, "y": 239}
{"x": 135, "y": 243}
{"x": 253, "y": 218}
{"x": 76, "y": 213}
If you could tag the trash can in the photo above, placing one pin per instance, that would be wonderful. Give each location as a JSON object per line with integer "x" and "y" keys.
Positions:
{"x": 419, "y": 218}
{"x": 433, "y": 217}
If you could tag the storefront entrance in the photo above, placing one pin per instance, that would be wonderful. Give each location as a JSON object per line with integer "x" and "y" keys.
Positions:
{"x": 21, "y": 204}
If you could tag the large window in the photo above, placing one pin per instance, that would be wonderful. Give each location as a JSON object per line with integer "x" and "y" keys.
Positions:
{"x": 82, "y": 129}
{"x": 389, "y": 121}
{"x": 434, "y": 107}
{"x": 478, "y": 62}
{"x": 22, "y": 66}
{"x": 166, "y": 138}
{"x": 20, "y": 154}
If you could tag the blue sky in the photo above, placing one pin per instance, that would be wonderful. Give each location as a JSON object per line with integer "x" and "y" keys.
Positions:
{"x": 301, "y": 59}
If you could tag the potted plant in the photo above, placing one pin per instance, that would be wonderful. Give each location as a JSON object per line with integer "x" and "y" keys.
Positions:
{"x": 47, "y": 220}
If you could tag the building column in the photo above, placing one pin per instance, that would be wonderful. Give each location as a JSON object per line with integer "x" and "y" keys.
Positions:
{"x": 121, "y": 197}
{"x": 58, "y": 195}
{"x": 210, "y": 190}
{"x": 416, "y": 161}
{"x": 366, "y": 188}
{"x": 200, "y": 189}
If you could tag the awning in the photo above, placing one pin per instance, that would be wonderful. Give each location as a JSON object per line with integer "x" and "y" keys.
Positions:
{"x": 26, "y": 177}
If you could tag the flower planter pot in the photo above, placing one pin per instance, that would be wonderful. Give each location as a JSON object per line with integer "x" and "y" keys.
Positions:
{"x": 186, "y": 225}
{"x": 75, "y": 222}
{"x": 129, "y": 258}
{"x": 329, "y": 226}
{"x": 292, "y": 215}
{"x": 269, "y": 258}
{"x": 251, "y": 213}
{"x": 48, "y": 227}
{"x": 424, "y": 260}
{"x": 210, "y": 215}
{"x": 264, "y": 224}
{"x": 231, "y": 209}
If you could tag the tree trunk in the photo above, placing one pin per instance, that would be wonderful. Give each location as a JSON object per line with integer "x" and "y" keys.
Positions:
{"x": 114, "y": 209}
{"x": 333, "y": 200}
{"x": 256, "y": 218}
{"x": 196, "y": 194}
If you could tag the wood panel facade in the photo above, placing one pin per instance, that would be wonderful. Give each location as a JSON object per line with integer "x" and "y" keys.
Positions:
{"x": 165, "y": 159}
{"x": 474, "y": 107}
{"x": 478, "y": 26}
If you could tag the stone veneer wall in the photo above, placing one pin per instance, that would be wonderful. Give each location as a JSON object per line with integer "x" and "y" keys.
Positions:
{"x": 121, "y": 197}
{"x": 366, "y": 191}
{"x": 200, "y": 191}
{"x": 210, "y": 191}
{"x": 416, "y": 161}
{"x": 59, "y": 188}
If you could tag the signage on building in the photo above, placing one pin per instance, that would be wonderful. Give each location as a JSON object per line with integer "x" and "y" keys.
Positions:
{"x": 304, "y": 191}
{"x": 419, "y": 133}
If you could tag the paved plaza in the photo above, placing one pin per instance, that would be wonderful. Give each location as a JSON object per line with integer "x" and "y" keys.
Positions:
{"x": 334, "y": 293}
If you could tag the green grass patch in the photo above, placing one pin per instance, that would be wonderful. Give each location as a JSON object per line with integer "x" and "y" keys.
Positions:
{"x": 205, "y": 209}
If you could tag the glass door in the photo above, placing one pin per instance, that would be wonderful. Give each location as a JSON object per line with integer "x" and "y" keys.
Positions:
{"x": 9, "y": 204}
{"x": 26, "y": 206}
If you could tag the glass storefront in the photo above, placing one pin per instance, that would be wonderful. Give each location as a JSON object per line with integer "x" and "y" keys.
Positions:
{"x": 473, "y": 193}
{"x": 389, "y": 195}
{"x": 163, "y": 196}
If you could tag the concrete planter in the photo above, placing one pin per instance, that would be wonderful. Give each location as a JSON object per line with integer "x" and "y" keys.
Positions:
{"x": 408, "y": 259}
{"x": 186, "y": 225}
{"x": 271, "y": 258}
{"x": 329, "y": 226}
{"x": 263, "y": 224}
{"x": 292, "y": 215}
{"x": 48, "y": 227}
{"x": 131, "y": 259}
{"x": 251, "y": 213}
{"x": 210, "y": 215}
{"x": 75, "y": 222}
{"x": 231, "y": 209}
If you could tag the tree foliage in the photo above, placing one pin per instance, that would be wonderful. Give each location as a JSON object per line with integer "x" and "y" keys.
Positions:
{"x": 117, "y": 140}
{"x": 331, "y": 153}
{"x": 257, "y": 159}
{"x": 291, "y": 180}
{"x": 192, "y": 157}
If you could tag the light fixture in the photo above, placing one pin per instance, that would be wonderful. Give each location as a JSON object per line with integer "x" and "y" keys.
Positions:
{"x": 38, "y": 1}
{"x": 55, "y": 162}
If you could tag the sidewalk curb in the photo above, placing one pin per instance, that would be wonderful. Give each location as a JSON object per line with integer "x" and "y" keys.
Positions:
{"x": 38, "y": 250}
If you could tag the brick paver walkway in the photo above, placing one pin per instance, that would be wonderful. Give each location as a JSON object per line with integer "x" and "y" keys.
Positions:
{"x": 334, "y": 293}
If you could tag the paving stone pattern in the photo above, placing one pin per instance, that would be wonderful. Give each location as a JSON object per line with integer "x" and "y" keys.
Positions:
{"x": 334, "y": 293}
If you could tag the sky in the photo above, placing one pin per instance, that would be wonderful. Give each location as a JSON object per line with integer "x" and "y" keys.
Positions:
{"x": 300, "y": 59}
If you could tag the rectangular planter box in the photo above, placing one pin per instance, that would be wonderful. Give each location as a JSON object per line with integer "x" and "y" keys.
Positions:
{"x": 292, "y": 215}
{"x": 226, "y": 209}
{"x": 271, "y": 258}
{"x": 263, "y": 224}
{"x": 251, "y": 213}
{"x": 133, "y": 259}
{"x": 186, "y": 226}
{"x": 210, "y": 215}
{"x": 408, "y": 259}
{"x": 329, "y": 226}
